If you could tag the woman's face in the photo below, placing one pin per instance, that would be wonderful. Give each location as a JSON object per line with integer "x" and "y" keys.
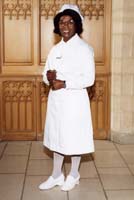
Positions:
{"x": 67, "y": 27}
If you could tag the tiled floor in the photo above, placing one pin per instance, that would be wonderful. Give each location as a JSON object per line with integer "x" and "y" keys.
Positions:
{"x": 24, "y": 165}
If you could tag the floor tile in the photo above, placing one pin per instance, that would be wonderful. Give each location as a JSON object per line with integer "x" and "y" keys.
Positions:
{"x": 87, "y": 169}
{"x": 108, "y": 159}
{"x": 116, "y": 178}
{"x": 2, "y": 146}
{"x": 17, "y": 148}
{"x": 31, "y": 190}
{"x": 128, "y": 156}
{"x": 120, "y": 195}
{"x": 40, "y": 167}
{"x": 104, "y": 145}
{"x": 87, "y": 189}
{"x": 11, "y": 186}
{"x": 39, "y": 152}
{"x": 13, "y": 164}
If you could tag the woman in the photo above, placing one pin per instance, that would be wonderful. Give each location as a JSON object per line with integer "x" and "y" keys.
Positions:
{"x": 69, "y": 71}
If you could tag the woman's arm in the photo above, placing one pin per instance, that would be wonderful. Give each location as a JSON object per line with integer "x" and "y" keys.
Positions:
{"x": 86, "y": 76}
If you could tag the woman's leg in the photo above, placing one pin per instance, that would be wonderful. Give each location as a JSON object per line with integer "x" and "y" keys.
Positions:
{"x": 74, "y": 176}
{"x": 57, "y": 165}
{"x": 57, "y": 177}
{"x": 75, "y": 163}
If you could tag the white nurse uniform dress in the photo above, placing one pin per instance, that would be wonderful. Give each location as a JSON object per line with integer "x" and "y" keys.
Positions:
{"x": 68, "y": 127}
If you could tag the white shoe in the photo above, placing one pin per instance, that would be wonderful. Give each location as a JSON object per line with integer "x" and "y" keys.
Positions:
{"x": 51, "y": 182}
{"x": 70, "y": 183}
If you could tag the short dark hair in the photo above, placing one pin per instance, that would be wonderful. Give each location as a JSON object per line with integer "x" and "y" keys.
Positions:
{"x": 75, "y": 16}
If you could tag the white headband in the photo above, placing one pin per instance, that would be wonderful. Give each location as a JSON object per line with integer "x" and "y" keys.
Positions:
{"x": 72, "y": 7}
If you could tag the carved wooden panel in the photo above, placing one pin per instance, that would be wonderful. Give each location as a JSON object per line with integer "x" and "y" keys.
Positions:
{"x": 17, "y": 32}
{"x": 99, "y": 100}
{"x": 17, "y": 8}
{"x": 88, "y": 8}
{"x": 18, "y": 108}
{"x": 42, "y": 96}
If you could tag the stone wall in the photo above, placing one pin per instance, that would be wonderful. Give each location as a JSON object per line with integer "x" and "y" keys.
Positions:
{"x": 122, "y": 70}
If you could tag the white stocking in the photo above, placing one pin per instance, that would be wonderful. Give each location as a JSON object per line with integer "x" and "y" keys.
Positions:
{"x": 57, "y": 166}
{"x": 75, "y": 166}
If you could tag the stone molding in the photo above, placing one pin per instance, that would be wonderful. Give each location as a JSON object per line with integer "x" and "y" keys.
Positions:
{"x": 122, "y": 138}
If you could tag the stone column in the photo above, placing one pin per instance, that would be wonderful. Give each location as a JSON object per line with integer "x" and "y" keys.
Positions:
{"x": 122, "y": 70}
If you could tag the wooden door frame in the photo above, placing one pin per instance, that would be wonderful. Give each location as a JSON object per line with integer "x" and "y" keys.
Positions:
{"x": 108, "y": 28}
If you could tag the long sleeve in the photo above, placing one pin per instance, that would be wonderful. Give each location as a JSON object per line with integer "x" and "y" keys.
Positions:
{"x": 48, "y": 66}
{"x": 86, "y": 76}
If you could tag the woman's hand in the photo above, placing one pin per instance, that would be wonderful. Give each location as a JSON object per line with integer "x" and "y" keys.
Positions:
{"x": 51, "y": 76}
{"x": 58, "y": 84}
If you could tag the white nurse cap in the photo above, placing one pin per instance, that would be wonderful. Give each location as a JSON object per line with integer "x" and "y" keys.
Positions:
{"x": 72, "y": 7}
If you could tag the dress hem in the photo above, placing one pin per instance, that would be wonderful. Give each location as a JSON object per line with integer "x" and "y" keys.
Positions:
{"x": 69, "y": 153}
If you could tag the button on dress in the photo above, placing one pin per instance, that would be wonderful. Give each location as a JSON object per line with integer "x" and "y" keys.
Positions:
{"x": 68, "y": 127}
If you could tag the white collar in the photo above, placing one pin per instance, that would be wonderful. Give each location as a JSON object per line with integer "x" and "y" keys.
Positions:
{"x": 72, "y": 40}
